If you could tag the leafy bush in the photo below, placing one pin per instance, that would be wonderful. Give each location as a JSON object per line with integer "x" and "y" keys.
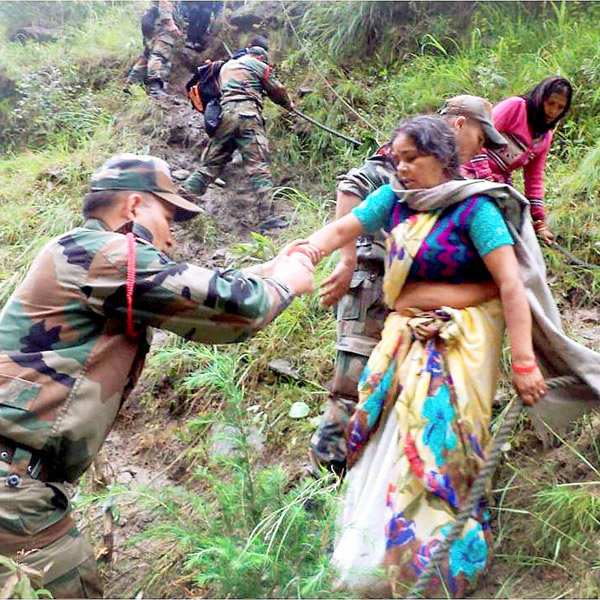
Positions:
{"x": 53, "y": 102}
{"x": 50, "y": 14}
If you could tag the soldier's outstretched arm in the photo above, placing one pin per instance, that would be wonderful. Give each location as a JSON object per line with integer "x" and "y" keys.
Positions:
{"x": 199, "y": 304}
{"x": 276, "y": 90}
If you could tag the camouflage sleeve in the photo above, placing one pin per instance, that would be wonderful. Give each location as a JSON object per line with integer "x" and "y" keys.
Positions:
{"x": 199, "y": 304}
{"x": 275, "y": 89}
{"x": 375, "y": 172}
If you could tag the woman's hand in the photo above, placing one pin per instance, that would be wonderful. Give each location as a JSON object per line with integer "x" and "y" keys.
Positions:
{"x": 337, "y": 284}
{"x": 266, "y": 269}
{"x": 544, "y": 232}
{"x": 530, "y": 386}
{"x": 312, "y": 252}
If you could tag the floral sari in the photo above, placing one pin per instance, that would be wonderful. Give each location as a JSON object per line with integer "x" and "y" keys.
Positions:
{"x": 417, "y": 439}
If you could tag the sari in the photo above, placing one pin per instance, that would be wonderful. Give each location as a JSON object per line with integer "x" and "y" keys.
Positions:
{"x": 421, "y": 429}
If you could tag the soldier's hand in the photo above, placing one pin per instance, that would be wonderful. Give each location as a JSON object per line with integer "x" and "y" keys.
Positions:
{"x": 337, "y": 284}
{"x": 296, "y": 271}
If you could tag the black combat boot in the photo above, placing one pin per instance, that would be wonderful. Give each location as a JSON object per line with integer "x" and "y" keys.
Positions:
{"x": 273, "y": 222}
{"x": 155, "y": 89}
{"x": 267, "y": 217}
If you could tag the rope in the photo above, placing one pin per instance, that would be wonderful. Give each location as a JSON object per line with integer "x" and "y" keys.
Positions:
{"x": 572, "y": 258}
{"x": 316, "y": 69}
{"x": 328, "y": 129}
{"x": 478, "y": 488}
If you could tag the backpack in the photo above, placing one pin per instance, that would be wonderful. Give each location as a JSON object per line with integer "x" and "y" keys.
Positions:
{"x": 148, "y": 20}
{"x": 204, "y": 93}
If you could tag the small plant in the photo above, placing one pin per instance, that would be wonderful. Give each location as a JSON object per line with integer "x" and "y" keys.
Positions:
{"x": 573, "y": 510}
{"x": 21, "y": 581}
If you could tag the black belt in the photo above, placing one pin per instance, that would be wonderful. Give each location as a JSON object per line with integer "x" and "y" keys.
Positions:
{"x": 25, "y": 461}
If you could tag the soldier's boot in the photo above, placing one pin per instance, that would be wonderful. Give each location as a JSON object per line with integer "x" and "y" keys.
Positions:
{"x": 196, "y": 183}
{"x": 273, "y": 222}
{"x": 328, "y": 444}
{"x": 267, "y": 218}
{"x": 156, "y": 89}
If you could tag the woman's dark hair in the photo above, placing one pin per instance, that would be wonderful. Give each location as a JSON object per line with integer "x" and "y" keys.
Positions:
{"x": 433, "y": 137}
{"x": 535, "y": 102}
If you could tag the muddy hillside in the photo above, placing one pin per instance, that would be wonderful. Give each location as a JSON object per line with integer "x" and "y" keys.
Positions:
{"x": 205, "y": 485}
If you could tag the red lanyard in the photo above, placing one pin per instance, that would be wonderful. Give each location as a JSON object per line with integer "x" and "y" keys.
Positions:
{"x": 130, "y": 331}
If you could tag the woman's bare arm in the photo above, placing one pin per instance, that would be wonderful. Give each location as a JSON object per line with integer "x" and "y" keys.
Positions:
{"x": 336, "y": 234}
{"x": 502, "y": 264}
{"x": 429, "y": 295}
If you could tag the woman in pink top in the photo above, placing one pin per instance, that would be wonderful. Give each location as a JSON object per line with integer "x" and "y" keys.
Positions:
{"x": 527, "y": 122}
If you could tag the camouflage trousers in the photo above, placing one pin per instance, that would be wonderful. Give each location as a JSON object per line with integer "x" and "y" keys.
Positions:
{"x": 154, "y": 64}
{"x": 242, "y": 128}
{"x": 360, "y": 317}
{"x": 36, "y": 531}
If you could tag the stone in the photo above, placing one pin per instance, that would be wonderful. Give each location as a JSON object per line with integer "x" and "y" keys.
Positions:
{"x": 180, "y": 174}
{"x": 39, "y": 34}
{"x": 283, "y": 367}
{"x": 224, "y": 440}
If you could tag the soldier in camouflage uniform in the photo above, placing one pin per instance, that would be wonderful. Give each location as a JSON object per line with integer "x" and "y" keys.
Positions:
{"x": 160, "y": 33}
{"x": 73, "y": 341}
{"x": 361, "y": 312}
{"x": 244, "y": 81}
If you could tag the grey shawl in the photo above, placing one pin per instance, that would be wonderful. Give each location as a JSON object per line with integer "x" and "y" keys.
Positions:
{"x": 556, "y": 353}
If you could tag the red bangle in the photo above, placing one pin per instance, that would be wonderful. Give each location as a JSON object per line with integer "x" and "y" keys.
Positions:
{"x": 524, "y": 369}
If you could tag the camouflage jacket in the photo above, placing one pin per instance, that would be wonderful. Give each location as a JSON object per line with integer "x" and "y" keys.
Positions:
{"x": 375, "y": 172}
{"x": 247, "y": 78}
{"x": 66, "y": 364}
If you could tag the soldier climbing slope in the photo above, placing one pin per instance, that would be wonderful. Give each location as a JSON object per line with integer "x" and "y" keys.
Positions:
{"x": 73, "y": 337}
{"x": 243, "y": 82}
{"x": 162, "y": 24}
{"x": 199, "y": 17}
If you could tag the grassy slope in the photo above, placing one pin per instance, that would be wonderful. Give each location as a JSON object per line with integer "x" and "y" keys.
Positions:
{"x": 505, "y": 51}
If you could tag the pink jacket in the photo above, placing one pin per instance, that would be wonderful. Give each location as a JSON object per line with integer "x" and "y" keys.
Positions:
{"x": 510, "y": 119}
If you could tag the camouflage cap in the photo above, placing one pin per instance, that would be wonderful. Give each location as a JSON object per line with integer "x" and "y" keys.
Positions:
{"x": 259, "y": 51}
{"x": 142, "y": 173}
{"x": 260, "y": 40}
{"x": 478, "y": 109}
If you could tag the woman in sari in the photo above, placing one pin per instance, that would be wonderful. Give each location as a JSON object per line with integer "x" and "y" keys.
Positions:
{"x": 418, "y": 436}
{"x": 527, "y": 123}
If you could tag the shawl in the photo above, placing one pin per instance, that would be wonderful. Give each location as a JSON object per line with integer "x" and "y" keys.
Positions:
{"x": 557, "y": 354}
